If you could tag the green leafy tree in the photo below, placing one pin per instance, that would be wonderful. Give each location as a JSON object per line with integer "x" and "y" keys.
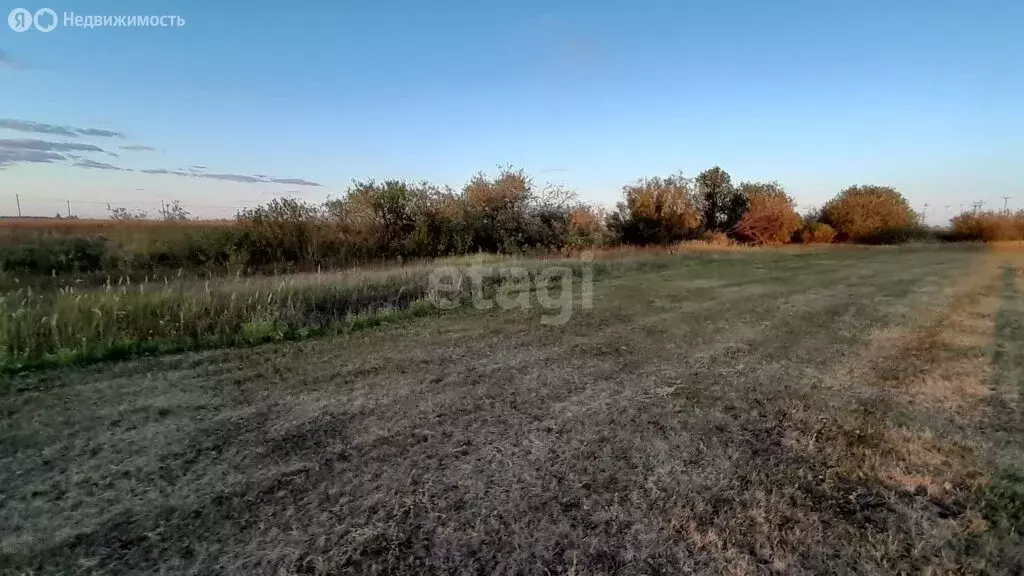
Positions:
{"x": 722, "y": 204}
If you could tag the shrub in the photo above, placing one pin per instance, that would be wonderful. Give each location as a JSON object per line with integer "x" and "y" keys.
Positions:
{"x": 813, "y": 232}
{"x": 55, "y": 254}
{"x": 380, "y": 217}
{"x": 715, "y": 238}
{"x": 770, "y": 217}
{"x": 497, "y": 210}
{"x": 656, "y": 211}
{"x": 123, "y": 214}
{"x": 586, "y": 228}
{"x": 283, "y": 230}
{"x": 175, "y": 211}
{"x": 440, "y": 227}
{"x": 900, "y": 235}
{"x": 863, "y": 213}
{"x": 987, "y": 227}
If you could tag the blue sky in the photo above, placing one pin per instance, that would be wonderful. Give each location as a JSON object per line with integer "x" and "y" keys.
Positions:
{"x": 925, "y": 96}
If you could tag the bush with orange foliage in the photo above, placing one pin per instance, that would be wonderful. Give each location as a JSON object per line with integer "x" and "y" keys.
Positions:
{"x": 771, "y": 216}
{"x": 657, "y": 211}
{"x": 586, "y": 227}
{"x": 988, "y": 226}
{"x": 865, "y": 213}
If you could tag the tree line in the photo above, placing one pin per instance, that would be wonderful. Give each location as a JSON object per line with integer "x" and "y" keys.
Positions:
{"x": 505, "y": 212}
{"x": 509, "y": 212}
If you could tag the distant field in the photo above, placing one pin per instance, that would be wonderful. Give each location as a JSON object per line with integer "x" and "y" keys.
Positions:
{"x": 52, "y": 253}
{"x": 745, "y": 412}
{"x": 16, "y": 229}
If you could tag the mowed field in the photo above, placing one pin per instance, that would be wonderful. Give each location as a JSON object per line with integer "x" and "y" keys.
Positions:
{"x": 831, "y": 411}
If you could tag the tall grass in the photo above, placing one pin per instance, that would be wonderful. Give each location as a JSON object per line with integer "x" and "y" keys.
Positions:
{"x": 15, "y": 230}
{"x": 119, "y": 319}
{"x": 49, "y": 253}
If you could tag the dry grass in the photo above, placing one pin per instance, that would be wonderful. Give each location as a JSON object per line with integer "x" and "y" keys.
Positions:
{"x": 14, "y": 229}
{"x": 763, "y": 411}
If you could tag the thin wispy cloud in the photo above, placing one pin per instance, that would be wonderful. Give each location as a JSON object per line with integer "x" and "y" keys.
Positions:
{"x": 292, "y": 181}
{"x": 198, "y": 172}
{"x": 12, "y": 156}
{"x": 43, "y": 145}
{"x": 100, "y": 132}
{"x": 243, "y": 178}
{"x": 257, "y": 179}
{"x": 32, "y": 150}
{"x": 164, "y": 171}
{"x": 56, "y": 130}
{"x": 86, "y": 163}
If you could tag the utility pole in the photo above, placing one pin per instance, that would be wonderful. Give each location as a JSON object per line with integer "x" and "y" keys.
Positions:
{"x": 163, "y": 210}
{"x": 1005, "y": 200}
{"x": 17, "y": 199}
{"x": 69, "y": 208}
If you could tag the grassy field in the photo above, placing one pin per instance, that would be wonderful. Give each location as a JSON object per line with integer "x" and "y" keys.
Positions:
{"x": 803, "y": 412}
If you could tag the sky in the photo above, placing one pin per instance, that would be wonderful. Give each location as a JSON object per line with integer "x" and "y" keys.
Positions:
{"x": 251, "y": 100}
